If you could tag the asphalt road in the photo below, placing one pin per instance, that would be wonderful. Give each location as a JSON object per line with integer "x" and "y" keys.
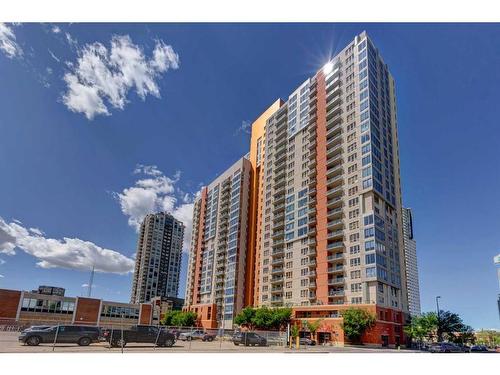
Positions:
{"x": 10, "y": 344}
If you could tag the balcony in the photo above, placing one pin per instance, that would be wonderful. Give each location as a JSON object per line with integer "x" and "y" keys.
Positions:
{"x": 279, "y": 233}
{"x": 338, "y": 268}
{"x": 335, "y": 212}
{"x": 335, "y": 223}
{"x": 277, "y": 279}
{"x": 312, "y": 284}
{"x": 333, "y": 121}
{"x": 278, "y": 208}
{"x": 335, "y": 245}
{"x": 336, "y": 293}
{"x": 276, "y": 299}
{"x": 278, "y": 251}
{"x": 335, "y": 180}
{"x": 336, "y": 281}
{"x": 277, "y": 270}
{"x": 278, "y": 241}
{"x": 334, "y": 202}
{"x": 277, "y": 261}
{"x": 312, "y": 273}
{"x": 333, "y": 151}
{"x": 335, "y": 160}
{"x": 336, "y": 139}
{"x": 336, "y": 234}
{"x": 333, "y": 130}
{"x": 277, "y": 289}
{"x": 312, "y": 263}
{"x": 336, "y": 256}
{"x": 333, "y": 112}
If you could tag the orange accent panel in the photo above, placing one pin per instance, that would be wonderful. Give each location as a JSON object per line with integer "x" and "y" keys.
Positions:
{"x": 321, "y": 189}
{"x": 255, "y": 208}
{"x": 9, "y": 302}
{"x": 87, "y": 310}
{"x": 199, "y": 246}
{"x": 207, "y": 315}
{"x": 146, "y": 314}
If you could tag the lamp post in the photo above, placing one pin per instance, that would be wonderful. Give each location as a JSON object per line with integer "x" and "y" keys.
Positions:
{"x": 437, "y": 304}
{"x": 438, "y": 330}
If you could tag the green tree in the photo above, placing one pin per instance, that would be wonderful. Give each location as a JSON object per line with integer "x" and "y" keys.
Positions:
{"x": 313, "y": 326}
{"x": 245, "y": 317}
{"x": 422, "y": 327}
{"x": 280, "y": 317}
{"x": 264, "y": 317}
{"x": 180, "y": 318}
{"x": 488, "y": 337}
{"x": 465, "y": 336}
{"x": 167, "y": 319}
{"x": 449, "y": 324}
{"x": 356, "y": 322}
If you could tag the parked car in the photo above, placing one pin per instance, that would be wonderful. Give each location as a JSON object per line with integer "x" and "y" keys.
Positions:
{"x": 445, "y": 347}
{"x": 198, "y": 334}
{"x": 479, "y": 348}
{"x": 307, "y": 341}
{"x": 465, "y": 348}
{"x": 68, "y": 334}
{"x": 36, "y": 328}
{"x": 139, "y": 334}
{"x": 249, "y": 339}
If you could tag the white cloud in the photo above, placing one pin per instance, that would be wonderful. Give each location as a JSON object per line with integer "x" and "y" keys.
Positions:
{"x": 2, "y": 261}
{"x": 71, "y": 41}
{"x": 53, "y": 55}
{"x": 1, "y": 276}
{"x": 8, "y": 44}
{"x": 245, "y": 127}
{"x": 56, "y": 29}
{"x": 72, "y": 253}
{"x": 103, "y": 77}
{"x": 154, "y": 192}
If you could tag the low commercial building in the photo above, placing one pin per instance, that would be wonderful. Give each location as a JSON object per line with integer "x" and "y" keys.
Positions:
{"x": 387, "y": 330}
{"x": 23, "y": 308}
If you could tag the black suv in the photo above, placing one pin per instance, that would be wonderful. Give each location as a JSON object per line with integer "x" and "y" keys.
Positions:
{"x": 139, "y": 334}
{"x": 68, "y": 334}
{"x": 249, "y": 339}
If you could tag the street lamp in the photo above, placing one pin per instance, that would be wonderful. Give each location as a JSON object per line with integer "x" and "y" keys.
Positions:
{"x": 437, "y": 304}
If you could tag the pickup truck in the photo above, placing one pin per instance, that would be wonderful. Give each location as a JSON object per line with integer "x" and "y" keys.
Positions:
{"x": 139, "y": 334}
{"x": 198, "y": 334}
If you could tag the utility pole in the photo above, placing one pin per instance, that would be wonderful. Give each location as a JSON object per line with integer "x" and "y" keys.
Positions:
{"x": 91, "y": 281}
{"x": 438, "y": 329}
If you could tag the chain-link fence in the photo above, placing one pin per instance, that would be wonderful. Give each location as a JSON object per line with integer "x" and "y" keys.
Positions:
{"x": 124, "y": 336}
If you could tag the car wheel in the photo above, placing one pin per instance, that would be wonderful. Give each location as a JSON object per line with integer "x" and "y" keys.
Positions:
{"x": 235, "y": 343}
{"x": 121, "y": 342}
{"x": 210, "y": 339}
{"x": 168, "y": 343}
{"x": 203, "y": 339}
{"x": 33, "y": 341}
{"x": 84, "y": 341}
{"x": 189, "y": 338}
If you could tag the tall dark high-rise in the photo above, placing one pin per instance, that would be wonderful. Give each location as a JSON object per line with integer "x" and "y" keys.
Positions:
{"x": 158, "y": 258}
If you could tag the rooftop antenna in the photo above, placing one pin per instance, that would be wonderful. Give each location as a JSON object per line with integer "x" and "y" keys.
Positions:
{"x": 91, "y": 281}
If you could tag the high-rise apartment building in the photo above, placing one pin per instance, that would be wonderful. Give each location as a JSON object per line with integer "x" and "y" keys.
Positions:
{"x": 410, "y": 251}
{"x": 217, "y": 260}
{"x": 158, "y": 258}
{"x": 325, "y": 217}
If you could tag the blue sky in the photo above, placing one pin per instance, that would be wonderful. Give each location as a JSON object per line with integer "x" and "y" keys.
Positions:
{"x": 181, "y": 108}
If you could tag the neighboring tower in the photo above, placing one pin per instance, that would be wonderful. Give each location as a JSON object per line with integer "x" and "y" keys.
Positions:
{"x": 158, "y": 258}
{"x": 411, "y": 263}
{"x": 496, "y": 260}
{"x": 217, "y": 259}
